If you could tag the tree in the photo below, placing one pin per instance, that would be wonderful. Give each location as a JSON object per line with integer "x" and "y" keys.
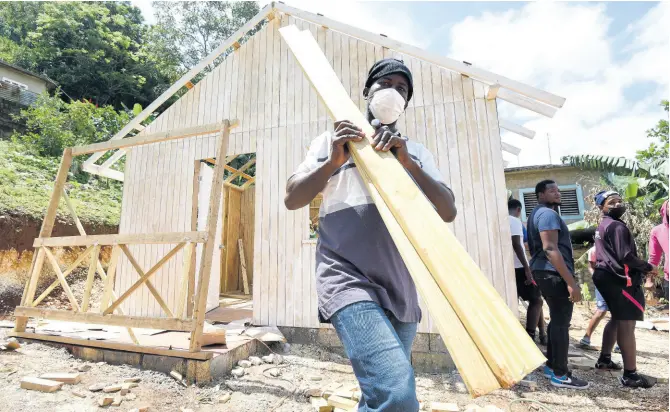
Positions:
{"x": 658, "y": 149}
{"x": 190, "y": 30}
{"x": 93, "y": 50}
{"x": 53, "y": 124}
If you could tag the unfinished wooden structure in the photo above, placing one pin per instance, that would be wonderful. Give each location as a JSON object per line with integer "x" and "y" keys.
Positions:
{"x": 453, "y": 113}
{"x": 193, "y": 285}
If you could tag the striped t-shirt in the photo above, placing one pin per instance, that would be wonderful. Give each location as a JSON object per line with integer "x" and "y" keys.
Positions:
{"x": 356, "y": 259}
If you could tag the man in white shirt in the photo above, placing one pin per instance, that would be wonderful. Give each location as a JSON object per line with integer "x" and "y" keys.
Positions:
{"x": 526, "y": 287}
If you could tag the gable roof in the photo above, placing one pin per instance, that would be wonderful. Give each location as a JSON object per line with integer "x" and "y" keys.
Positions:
{"x": 515, "y": 92}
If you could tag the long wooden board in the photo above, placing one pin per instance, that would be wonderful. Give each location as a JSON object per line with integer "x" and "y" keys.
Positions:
{"x": 125, "y": 239}
{"x": 497, "y": 333}
{"x": 147, "y": 139}
{"x": 112, "y": 320}
{"x": 103, "y": 344}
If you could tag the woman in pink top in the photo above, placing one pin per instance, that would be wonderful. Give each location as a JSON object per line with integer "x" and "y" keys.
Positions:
{"x": 658, "y": 246}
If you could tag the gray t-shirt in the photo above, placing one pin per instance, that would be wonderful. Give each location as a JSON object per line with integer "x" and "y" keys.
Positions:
{"x": 356, "y": 259}
{"x": 541, "y": 219}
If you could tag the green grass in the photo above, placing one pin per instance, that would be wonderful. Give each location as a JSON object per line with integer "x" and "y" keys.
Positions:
{"x": 26, "y": 182}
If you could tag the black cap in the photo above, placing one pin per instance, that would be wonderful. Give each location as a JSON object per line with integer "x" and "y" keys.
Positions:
{"x": 388, "y": 66}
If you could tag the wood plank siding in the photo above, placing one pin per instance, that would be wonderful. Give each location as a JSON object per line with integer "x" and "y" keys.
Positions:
{"x": 261, "y": 85}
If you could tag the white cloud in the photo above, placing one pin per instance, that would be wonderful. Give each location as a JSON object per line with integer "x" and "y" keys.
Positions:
{"x": 565, "y": 48}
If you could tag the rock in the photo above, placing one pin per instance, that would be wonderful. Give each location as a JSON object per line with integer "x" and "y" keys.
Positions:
{"x": 140, "y": 409}
{"x": 105, "y": 401}
{"x": 225, "y": 398}
{"x": 237, "y": 372}
{"x": 129, "y": 385}
{"x": 111, "y": 388}
{"x": 12, "y": 344}
{"x": 274, "y": 372}
{"x": 315, "y": 378}
{"x": 268, "y": 359}
{"x": 131, "y": 397}
{"x": 278, "y": 360}
{"x": 133, "y": 379}
{"x": 84, "y": 368}
{"x": 244, "y": 364}
{"x": 313, "y": 392}
{"x": 96, "y": 387}
{"x": 117, "y": 400}
{"x": 443, "y": 407}
{"x": 255, "y": 360}
{"x": 582, "y": 364}
{"x": 101, "y": 363}
{"x": 529, "y": 384}
{"x": 80, "y": 393}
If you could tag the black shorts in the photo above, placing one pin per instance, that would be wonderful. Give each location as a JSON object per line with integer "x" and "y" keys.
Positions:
{"x": 624, "y": 302}
{"x": 525, "y": 292}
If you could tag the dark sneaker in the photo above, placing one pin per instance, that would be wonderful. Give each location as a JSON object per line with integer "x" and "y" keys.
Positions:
{"x": 543, "y": 339}
{"x": 569, "y": 382}
{"x": 636, "y": 381}
{"x": 608, "y": 366}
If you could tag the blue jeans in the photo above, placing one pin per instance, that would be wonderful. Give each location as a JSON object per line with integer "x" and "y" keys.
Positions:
{"x": 379, "y": 347}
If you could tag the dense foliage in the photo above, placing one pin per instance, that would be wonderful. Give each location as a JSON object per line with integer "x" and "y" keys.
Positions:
{"x": 26, "y": 180}
{"x": 105, "y": 60}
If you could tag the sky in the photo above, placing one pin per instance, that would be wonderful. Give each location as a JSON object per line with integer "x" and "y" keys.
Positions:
{"x": 611, "y": 61}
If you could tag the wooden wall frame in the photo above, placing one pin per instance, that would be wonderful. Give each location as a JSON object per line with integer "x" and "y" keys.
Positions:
{"x": 188, "y": 315}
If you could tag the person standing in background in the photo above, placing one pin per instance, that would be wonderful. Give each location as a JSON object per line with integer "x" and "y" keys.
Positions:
{"x": 658, "y": 246}
{"x": 618, "y": 276}
{"x": 526, "y": 287}
{"x": 601, "y": 305}
{"x": 553, "y": 268}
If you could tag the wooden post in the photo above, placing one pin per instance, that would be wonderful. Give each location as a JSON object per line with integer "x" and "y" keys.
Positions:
{"x": 194, "y": 227}
{"x": 243, "y": 267}
{"x": 89, "y": 280}
{"x": 45, "y": 231}
{"x": 210, "y": 244}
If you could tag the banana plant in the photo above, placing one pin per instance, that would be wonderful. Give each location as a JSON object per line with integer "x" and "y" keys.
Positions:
{"x": 632, "y": 178}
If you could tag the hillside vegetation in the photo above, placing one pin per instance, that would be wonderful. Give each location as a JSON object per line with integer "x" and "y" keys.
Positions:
{"x": 26, "y": 182}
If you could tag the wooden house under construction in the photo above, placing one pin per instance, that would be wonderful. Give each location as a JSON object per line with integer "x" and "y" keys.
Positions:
{"x": 258, "y": 82}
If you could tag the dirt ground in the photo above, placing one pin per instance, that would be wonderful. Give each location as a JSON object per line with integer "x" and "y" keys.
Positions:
{"x": 258, "y": 391}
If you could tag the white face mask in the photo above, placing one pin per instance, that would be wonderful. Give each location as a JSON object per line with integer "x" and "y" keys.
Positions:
{"x": 387, "y": 105}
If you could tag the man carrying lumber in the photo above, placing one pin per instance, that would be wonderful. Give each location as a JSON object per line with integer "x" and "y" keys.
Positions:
{"x": 526, "y": 287}
{"x": 363, "y": 285}
{"x": 618, "y": 276}
{"x": 553, "y": 269}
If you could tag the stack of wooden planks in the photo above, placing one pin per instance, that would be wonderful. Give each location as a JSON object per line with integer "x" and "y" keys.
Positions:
{"x": 486, "y": 341}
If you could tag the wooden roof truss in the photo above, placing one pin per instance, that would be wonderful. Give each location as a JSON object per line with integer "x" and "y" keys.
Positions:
{"x": 512, "y": 91}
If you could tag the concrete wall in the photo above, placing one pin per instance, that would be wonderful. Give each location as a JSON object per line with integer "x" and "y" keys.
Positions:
{"x": 523, "y": 179}
{"x": 35, "y": 84}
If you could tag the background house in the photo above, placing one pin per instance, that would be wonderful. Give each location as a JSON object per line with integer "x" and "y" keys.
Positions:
{"x": 19, "y": 89}
{"x": 575, "y": 185}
